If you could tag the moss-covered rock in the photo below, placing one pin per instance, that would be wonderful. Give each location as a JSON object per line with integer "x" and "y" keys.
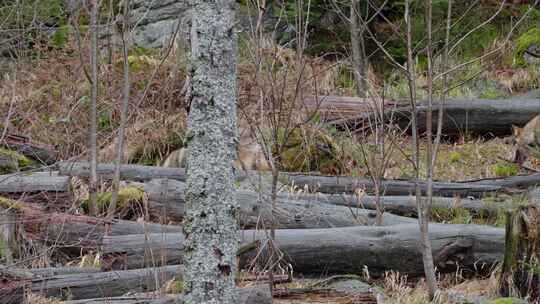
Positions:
{"x": 526, "y": 43}
{"x": 308, "y": 150}
{"x": 11, "y": 161}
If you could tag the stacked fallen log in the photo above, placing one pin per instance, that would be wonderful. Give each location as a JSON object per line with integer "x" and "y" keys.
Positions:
{"x": 37, "y": 187}
{"x": 72, "y": 231}
{"x": 85, "y": 284}
{"x": 460, "y": 116}
{"x": 340, "y": 250}
{"x": 401, "y": 205}
{"x": 166, "y": 201}
{"x": 475, "y": 188}
{"x": 259, "y": 294}
{"x": 90, "y": 285}
{"x": 127, "y": 172}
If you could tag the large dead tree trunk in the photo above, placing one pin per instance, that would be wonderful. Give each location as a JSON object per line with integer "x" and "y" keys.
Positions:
{"x": 37, "y": 187}
{"x": 400, "y": 205}
{"x": 259, "y": 294}
{"x": 463, "y": 117}
{"x": 90, "y": 285}
{"x": 73, "y": 231}
{"x": 166, "y": 201}
{"x": 127, "y": 172}
{"x": 476, "y": 188}
{"x": 341, "y": 250}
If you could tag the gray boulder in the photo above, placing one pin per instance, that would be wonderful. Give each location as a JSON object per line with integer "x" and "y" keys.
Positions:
{"x": 156, "y": 21}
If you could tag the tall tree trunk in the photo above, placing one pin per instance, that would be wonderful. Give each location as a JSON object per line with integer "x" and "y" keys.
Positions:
{"x": 93, "y": 107}
{"x": 430, "y": 164}
{"x": 123, "y": 114}
{"x": 211, "y": 227}
{"x": 427, "y": 256}
{"x": 357, "y": 47}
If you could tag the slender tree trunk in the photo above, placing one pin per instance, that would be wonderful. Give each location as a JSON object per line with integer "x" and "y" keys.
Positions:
{"x": 123, "y": 114}
{"x": 211, "y": 226}
{"x": 428, "y": 256}
{"x": 94, "y": 14}
{"x": 357, "y": 47}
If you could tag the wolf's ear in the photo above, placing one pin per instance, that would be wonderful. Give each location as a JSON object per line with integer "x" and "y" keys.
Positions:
{"x": 517, "y": 130}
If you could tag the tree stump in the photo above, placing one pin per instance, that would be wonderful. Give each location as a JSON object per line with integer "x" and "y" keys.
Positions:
{"x": 521, "y": 265}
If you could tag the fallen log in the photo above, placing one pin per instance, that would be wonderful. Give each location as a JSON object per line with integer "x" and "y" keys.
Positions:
{"x": 37, "y": 187}
{"x": 45, "y": 154}
{"x": 69, "y": 230}
{"x": 401, "y": 205}
{"x": 127, "y": 172}
{"x": 259, "y": 294}
{"x": 461, "y": 117}
{"x": 90, "y": 285}
{"x": 343, "y": 250}
{"x": 475, "y": 188}
{"x": 166, "y": 201}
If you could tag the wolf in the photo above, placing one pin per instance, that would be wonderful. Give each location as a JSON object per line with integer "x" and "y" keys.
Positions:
{"x": 527, "y": 140}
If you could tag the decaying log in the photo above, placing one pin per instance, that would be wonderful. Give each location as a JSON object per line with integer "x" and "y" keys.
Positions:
{"x": 91, "y": 285}
{"x": 400, "y": 205}
{"x": 476, "y": 188}
{"x": 343, "y": 250}
{"x": 38, "y": 186}
{"x": 520, "y": 275}
{"x": 259, "y": 294}
{"x": 166, "y": 201}
{"x": 127, "y": 172}
{"x": 45, "y": 154}
{"x": 141, "y": 250}
{"x": 337, "y": 108}
{"x": 462, "y": 117}
{"x": 69, "y": 230}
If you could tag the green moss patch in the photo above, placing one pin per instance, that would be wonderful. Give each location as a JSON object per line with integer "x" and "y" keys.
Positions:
{"x": 6, "y": 203}
{"x": 129, "y": 198}
{"x": 530, "y": 37}
{"x": 11, "y": 161}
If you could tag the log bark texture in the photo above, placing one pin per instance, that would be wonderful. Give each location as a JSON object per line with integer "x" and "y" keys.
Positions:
{"x": 346, "y": 250}
{"x": 91, "y": 285}
{"x": 166, "y": 201}
{"x": 463, "y": 117}
{"x": 476, "y": 188}
{"x": 259, "y": 294}
{"x": 74, "y": 231}
{"x": 37, "y": 187}
{"x": 400, "y": 205}
{"x": 127, "y": 172}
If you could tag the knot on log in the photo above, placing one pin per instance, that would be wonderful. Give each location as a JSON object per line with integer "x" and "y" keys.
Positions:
{"x": 454, "y": 254}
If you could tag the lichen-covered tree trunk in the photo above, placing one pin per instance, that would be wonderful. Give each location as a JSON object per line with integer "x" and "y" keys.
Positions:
{"x": 211, "y": 218}
{"x": 520, "y": 275}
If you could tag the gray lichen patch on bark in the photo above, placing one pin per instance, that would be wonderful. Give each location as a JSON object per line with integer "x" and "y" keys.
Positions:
{"x": 211, "y": 218}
